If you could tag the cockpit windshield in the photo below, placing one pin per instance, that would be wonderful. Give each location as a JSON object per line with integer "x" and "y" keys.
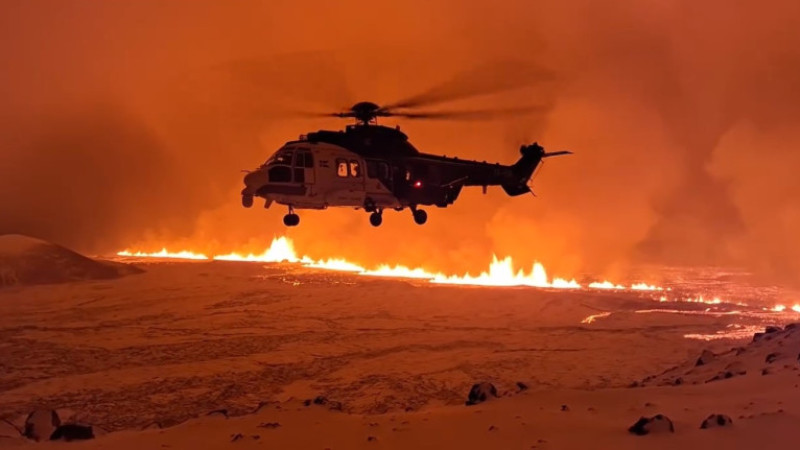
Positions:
{"x": 282, "y": 156}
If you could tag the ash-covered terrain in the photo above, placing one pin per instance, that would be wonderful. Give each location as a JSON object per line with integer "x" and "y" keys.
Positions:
{"x": 280, "y": 343}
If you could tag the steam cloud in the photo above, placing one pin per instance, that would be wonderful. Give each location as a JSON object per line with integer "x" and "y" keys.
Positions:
{"x": 126, "y": 123}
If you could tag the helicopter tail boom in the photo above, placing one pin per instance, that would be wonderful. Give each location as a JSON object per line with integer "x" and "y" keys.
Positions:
{"x": 523, "y": 169}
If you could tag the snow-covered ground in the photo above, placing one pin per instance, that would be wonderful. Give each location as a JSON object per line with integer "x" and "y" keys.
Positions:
{"x": 395, "y": 360}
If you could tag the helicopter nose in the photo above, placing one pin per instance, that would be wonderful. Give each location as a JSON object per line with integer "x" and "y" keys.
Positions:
{"x": 255, "y": 179}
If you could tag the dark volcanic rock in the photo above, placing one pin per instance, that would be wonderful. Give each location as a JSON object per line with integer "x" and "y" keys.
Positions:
{"x": 323, "y": 401}
{"x": 522, "y": 386}
{"x": 772, "y": 329}
{"x": 706, "y": 357}
{"x": 41, "y": 424}
{"x": 480, "y": 393}
{"x": 650, "y": 425}
{"x": 72, "y": 432}
{"x": 716, "y": 420}
{"x": 218, "y": 413}
{"x": 772, "y": 357}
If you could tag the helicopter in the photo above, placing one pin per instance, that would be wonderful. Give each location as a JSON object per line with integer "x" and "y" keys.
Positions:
{"x": 375, "y": 168}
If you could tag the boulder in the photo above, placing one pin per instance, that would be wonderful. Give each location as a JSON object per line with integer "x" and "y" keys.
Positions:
{"x": 716, "y": 420}
{"x": 72, "y": 432}
{"x": 41, "y": 424}
{"x": 652, "y": 425}
{"x": 218, "y": 413}
{"x": 481, "y": 392}
{"x": 706, "y": 357}
{"x": 772, "y": 357}
{"x": 521, "y": 386}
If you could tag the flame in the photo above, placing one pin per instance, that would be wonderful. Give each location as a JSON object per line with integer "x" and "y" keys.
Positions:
{"x": 782, "y": 308}
{"x": 280, "y": 250}
{"x": 501, "y": 272}
{"x": 645, "y": 287}
{"x": 606, "y": 285}
{"x": 185, "y": 254}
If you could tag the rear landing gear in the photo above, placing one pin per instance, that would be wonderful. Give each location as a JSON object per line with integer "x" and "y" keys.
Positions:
{"x": 376, "y": 218}
{"x": 291, "y": 219}
{"x": 420, "y": 216}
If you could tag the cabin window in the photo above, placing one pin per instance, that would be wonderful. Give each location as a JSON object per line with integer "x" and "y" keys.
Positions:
{"x": 299, "y": 175}
{"x": 280, "y": 174}
{"x": 383, "y": 171}
{"x": 304, "y": 159}
{"x": 341, "y": 167}
{"x": 300, "y": 159}
{"x": 355, "y": 168}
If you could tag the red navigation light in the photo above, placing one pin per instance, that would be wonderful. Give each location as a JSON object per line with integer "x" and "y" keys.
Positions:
{"x": 418, "y": 184}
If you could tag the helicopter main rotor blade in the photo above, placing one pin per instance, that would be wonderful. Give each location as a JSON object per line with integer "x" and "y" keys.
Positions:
{"x": 481, "y": 80}
{"x": 478, "y": 114}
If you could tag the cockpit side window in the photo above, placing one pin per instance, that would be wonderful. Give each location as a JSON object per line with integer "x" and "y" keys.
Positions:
{"x": 300, "y": 159}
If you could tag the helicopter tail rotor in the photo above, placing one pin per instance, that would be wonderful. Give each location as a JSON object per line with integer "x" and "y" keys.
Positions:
{"x": 522, "y": 170}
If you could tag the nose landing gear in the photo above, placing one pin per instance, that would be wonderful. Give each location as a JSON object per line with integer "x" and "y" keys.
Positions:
{"x": 247, "y": 200}
{"x": 291, "y": 219}
{"x": 420, "y": 216}
{"x": 376, "y": 218}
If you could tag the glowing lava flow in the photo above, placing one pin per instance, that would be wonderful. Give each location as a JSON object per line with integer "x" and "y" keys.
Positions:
{"x": 280, "y": 250}
{"x": 164, "y": 254}
{"x": 501, "y": 271}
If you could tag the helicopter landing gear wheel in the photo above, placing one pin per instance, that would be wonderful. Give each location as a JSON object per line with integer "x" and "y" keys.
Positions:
{"x": 420, "y": 216}
{"x": 376, "y": 219}
{"x": 369, "y": 205}
{"x": 247, "y": 201}
{"x": 291, "y": 220}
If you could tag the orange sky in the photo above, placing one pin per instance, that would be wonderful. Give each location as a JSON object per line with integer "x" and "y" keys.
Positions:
{"x": 122, "y": 122}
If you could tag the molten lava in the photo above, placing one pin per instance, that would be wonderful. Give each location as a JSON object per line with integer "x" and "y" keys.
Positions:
{"x": 163, "y": 253}
{"x": 501, "y": 272}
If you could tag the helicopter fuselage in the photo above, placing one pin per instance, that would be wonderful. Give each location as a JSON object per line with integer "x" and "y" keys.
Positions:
{"x": 374, "y": 168}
